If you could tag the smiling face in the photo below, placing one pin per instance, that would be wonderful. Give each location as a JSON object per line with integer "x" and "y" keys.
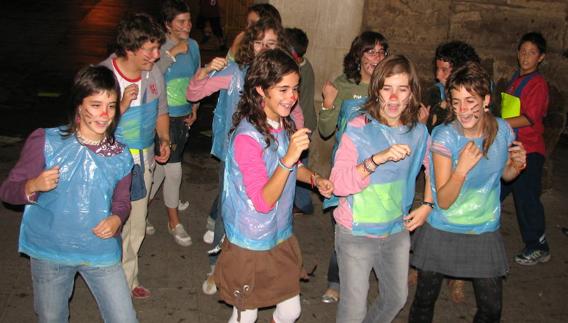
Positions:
{"x": 145, "y": 57}
{"x": 529, "y": 57}
{"x": 180, "y": 27}
{"x": 280, "y": 99}
{"x": 268, "y": 41}
{"x": 96, "y": 114}
{"x": 370, "y": 59}
{"x": 394, "y": 97}
{"x": 470, "y": 110}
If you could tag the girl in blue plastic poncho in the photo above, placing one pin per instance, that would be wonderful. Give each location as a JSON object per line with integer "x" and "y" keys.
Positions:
{"x": 260, "y": 262}
{"x": 75, "y": 182}
{"x": 374, "y": 174}
{"x": 471, "y": 152}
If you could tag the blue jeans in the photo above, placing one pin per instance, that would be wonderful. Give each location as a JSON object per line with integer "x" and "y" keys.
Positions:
{"x": 53, "y": 286}
{"x": 357, "y": 256}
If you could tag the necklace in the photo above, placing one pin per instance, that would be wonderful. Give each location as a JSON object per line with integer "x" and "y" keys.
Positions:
{"x": 86, "y": 141}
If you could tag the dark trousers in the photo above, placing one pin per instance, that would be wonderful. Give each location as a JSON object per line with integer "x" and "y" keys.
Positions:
{"x": 216, "y": 215}
{"x": 526, "y": 189}
{"x": 333, "y": 268}
{"x": 488, "y": 295}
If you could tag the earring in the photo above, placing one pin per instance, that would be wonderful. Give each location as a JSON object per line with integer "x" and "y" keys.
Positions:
{"x": 486, "y": 108}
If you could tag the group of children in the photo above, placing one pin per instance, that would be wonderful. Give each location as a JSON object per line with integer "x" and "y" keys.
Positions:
{"x": 135, "y": 108}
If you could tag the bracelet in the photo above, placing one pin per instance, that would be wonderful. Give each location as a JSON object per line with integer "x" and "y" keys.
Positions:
{"x": 170, "y": 55}
{"x": 326, "y": 109}
{"x": 313, "y": 178}
{"x": 430, "y": 204}
{"x": 281, "y": 164}
{"x": 373, "y": 160}
{"x": 368, "y": 165}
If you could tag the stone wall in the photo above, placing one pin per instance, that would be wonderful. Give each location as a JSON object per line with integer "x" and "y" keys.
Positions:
{"x": 493, "y": 27}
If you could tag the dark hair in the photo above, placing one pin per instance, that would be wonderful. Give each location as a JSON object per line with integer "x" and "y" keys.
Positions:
{"x": 245, "y": 53}
{"x": 88, "y": 81}
{"x": 298, "y": 40}
{"x": 475, "y": 80}
{"x": 265, "y": 10}
{"x": 135, "y": 30}
{"x": 457, "y": 53}
{"x": 388, "y": 67}
{"x": 536, "y": 38}
{"x": 267, "y": 69}
{"x": 352, "y": 61}
{"x": 171, "y": 8}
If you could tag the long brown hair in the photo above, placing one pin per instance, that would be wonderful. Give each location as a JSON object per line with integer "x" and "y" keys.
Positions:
{"x": 392, "y": 65}
{"x": 475, "y": 80}
{"x": 267, "y": 69}
{"x": 245, "y": 53}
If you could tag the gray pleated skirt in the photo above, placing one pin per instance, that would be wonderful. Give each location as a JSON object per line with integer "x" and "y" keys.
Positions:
{"x": 459, "y": 255}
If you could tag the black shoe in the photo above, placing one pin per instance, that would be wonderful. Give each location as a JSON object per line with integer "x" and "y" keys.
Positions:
{"x": 564, "y": 230}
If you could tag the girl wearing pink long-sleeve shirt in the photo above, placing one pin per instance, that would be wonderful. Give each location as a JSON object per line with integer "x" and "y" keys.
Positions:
{"x": 374, "y": 174}
{"x": 261, "y": 260}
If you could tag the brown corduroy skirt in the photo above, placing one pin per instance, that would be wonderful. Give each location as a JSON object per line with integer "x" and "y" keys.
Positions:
{"x": 249, "y": 279}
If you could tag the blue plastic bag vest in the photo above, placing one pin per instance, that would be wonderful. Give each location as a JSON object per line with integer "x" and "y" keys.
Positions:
{"x": 177, "y": 79}
{"x": 245, "y": 226}
{"x": 58, "y": 226}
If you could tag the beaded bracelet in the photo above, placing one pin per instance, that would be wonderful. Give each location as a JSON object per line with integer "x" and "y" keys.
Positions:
{"x": 281, "y": 164}
{"x": 368, "y": 165}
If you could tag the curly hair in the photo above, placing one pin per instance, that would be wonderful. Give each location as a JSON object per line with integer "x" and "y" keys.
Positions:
{"x": 267, "y": 70}
{"x": 457, "y": 53}
{"x": 475, "y": 80}
{"x": 352, "y": 60}
{"x": 245, "y": 53}
{"x": 392, "y": 65}
{"x": 135, "y": 30}
{"x": 88, "y": 81}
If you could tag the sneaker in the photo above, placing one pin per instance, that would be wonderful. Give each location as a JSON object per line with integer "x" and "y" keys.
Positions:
{"x": 182, "y": 206}
{"x": 532, "y": 258}
{"x": 330, "y": 296}
{"x": 140, "y": 292}
{"x": 209, "y": 287}
{"x": 150, "y": 229}
{"x": 208, "y": 237}
{"x": 180, "y": 235}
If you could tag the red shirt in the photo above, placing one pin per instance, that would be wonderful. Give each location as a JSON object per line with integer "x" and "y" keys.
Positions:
{"x": 534, "y": 106}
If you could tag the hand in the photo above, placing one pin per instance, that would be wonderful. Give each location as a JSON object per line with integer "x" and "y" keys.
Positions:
{"x": 217, "y": 64}
{"x": 107, "y": 227}
{"x": 46, "y": 181}
{"x": 423, "y": 113}
{"x": 164, "y": 152}
{"x": 417, "y": 217}
{"x": 518, "y": 155}
{"x": 469, "y": 156}
{"x": 130, "y": 94}
{"x": 329, "y": 93}
{"x": 325, "y": 186}
{"x": 191, "y": 118}
{"x": 299, "y": 142}
{"x": 394, "y": 153}
{"x": 180, "y": 48}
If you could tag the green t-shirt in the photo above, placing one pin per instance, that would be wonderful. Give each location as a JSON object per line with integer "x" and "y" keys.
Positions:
{"x": 346, "y": 90}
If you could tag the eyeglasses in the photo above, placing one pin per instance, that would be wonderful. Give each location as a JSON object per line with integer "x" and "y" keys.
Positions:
{"x": 266, "y": 45}
{"x": 371, "y": 52}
